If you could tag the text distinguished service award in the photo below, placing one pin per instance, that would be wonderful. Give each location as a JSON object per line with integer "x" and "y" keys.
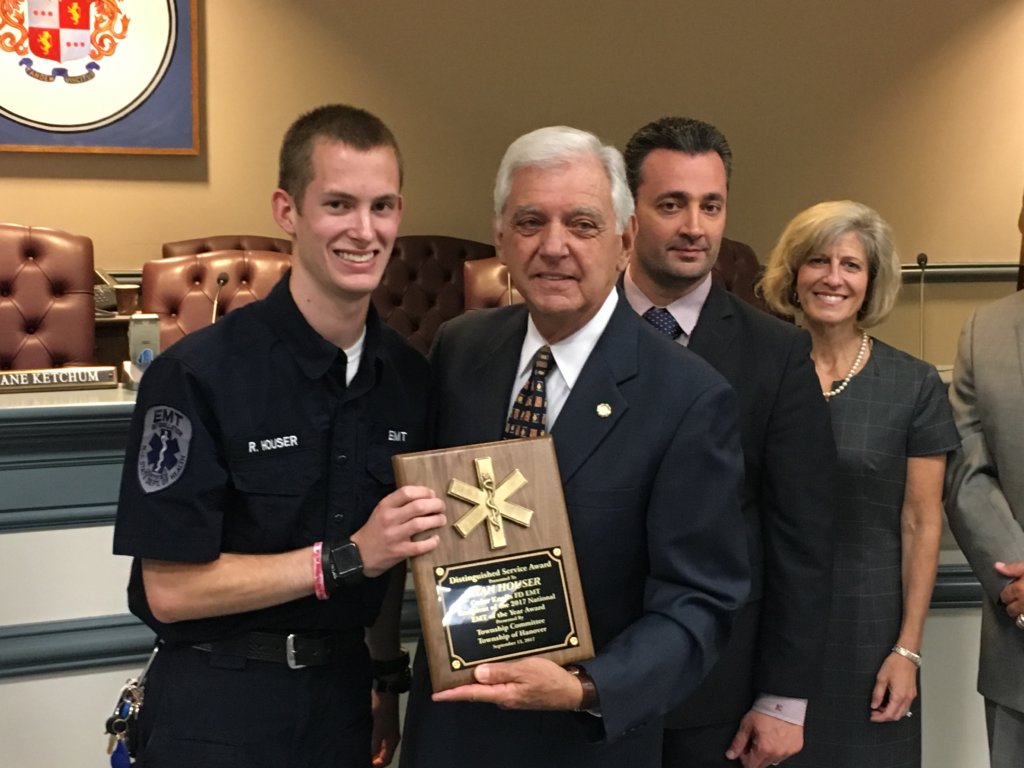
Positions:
{"x": 503, "y": 582}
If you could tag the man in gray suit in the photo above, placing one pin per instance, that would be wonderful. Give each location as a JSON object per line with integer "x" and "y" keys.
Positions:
{"x": 985, "y": 505}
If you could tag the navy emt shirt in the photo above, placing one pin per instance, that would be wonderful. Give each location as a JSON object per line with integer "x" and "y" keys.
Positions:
{"x": 245, "y": 439}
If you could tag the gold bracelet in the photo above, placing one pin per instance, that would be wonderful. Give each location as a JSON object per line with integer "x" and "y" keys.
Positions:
{"x": 908, "y": 654}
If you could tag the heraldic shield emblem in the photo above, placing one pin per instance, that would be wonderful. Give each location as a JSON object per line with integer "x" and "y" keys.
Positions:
{"x": 59, "y": 30}
{"x": 83, "y": 63}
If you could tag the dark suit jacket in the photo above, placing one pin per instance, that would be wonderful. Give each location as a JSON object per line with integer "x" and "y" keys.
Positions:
{"x": 789, "y": 495}
{"x": 653, "y": 499}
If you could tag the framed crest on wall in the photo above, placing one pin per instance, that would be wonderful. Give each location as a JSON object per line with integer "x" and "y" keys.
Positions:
{"x": 107, "y": 76}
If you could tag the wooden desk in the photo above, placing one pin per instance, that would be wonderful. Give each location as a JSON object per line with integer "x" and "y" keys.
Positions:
{"x": 111, "y": 346}
{"x": 61, "y": 457}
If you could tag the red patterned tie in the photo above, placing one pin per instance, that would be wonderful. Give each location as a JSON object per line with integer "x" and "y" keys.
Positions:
{"x": 529, "y": 411}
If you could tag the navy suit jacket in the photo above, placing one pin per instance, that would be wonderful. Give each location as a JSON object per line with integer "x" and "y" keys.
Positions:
{"x": 653, "y": 497}
{"x": 789, "y": 494}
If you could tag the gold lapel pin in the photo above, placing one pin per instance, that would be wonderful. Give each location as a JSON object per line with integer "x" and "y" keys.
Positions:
{"x": 604, "y": 410}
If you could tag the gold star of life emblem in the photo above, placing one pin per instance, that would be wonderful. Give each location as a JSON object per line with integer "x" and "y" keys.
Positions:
{"x": 490, "y": 502}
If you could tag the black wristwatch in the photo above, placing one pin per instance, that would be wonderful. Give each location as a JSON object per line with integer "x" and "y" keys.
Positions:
{"x": 392, "y": 676}
{"x": 342, "y": 564}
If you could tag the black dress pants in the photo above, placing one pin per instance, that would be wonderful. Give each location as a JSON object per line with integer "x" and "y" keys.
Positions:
{"x": 203, "y": 710}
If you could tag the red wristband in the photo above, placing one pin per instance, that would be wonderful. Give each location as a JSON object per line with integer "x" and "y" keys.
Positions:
{"x": 319, "y": 588}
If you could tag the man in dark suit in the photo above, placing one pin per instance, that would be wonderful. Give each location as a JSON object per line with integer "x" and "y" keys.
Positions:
{"x": 650, "y": 460}
{"x": 752, "y": 705}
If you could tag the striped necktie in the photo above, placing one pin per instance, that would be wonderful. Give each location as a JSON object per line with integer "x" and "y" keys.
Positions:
{"x": 529, "y": 411}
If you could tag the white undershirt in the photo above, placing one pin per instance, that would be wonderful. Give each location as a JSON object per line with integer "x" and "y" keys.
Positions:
{"x": 352, "y": 356}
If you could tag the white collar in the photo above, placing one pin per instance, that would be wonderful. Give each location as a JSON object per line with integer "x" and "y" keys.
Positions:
{"x": 571, "y": 353}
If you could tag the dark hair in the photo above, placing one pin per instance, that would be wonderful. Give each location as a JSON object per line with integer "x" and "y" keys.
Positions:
{"x": 680, "y": 134}
{"x": 333, "y": 122}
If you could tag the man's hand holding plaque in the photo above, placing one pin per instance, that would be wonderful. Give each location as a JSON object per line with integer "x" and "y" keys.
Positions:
{"x": 502, "y": 584}
{"x": 532, "y": 683}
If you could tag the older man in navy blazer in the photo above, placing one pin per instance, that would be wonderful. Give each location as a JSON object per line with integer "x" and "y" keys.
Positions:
{"x": 649, "y": 455}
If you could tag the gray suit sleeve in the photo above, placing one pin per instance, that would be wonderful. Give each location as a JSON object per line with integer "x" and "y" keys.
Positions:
{"x": 978, "y": 511}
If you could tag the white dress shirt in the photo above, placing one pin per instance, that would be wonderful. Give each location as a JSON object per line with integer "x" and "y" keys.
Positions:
{"x": 569, "y": 356}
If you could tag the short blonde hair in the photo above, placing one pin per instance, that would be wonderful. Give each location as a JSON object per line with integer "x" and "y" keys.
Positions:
{"x": 813, "y": 230}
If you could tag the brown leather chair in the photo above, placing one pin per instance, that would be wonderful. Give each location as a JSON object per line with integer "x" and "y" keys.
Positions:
{"x": 738, "y": 271}
{"x": 182, "y": 289}
{"x": 487, "y": 283}
{"x": 46, "y": 298}
{"x": 423, "y": 284}
{"x": 226, "y": 243}
{"x": 420, "y": 289}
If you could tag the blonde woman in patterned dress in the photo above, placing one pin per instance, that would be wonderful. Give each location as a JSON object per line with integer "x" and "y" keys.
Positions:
{"x": 836, "y": 269}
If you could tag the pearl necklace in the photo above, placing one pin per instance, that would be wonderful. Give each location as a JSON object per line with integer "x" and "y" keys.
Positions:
{"x": 856, "y": 364}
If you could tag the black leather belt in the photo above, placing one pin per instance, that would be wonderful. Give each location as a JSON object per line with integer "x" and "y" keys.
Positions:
{"x": 295, "y": 650}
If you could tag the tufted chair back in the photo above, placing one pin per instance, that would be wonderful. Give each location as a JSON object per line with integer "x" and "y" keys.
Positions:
{"x": 738, "y": 271}
{"x": 226, "y": 243}
{"x": 46, "y": 298}
{"x": 487, "y": 283}
{"x": 181, "y": 289}
{"x": 422, "y": 285}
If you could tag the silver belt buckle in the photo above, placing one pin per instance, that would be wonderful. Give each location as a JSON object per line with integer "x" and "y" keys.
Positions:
{"x": 289, "y": 653}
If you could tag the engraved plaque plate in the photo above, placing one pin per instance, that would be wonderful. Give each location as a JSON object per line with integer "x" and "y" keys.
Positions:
{"x": 503, "y": 582}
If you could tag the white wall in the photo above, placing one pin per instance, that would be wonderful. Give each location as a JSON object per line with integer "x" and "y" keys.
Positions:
{"x": 61, "y": 574}
{"x": 912, "y": 106}
{"x": 58, "y": 720}
{"x": 47, "y": 722}
{"x": 954, "y": 713}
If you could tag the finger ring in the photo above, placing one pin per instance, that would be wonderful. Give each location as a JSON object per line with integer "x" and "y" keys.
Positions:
{"x": 1020, "y": 621}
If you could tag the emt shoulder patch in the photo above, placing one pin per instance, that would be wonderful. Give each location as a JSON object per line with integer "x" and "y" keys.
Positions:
{"x": 163, "y": 454}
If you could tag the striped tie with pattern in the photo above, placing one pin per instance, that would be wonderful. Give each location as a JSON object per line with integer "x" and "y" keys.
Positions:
{"x": 529, "y": 411}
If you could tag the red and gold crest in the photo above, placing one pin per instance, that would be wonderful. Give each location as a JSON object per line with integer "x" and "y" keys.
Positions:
{"x": 63, "y": 32}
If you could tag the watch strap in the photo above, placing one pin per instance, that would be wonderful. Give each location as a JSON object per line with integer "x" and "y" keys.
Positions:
{"x": 342, "y": 564}
{"x": 590, "y": 700}
{"x": 392, "y": 675}
{"x": 390, "y": 666}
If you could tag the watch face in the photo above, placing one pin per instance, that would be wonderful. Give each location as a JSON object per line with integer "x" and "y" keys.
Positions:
{"x": 346, "y": 564}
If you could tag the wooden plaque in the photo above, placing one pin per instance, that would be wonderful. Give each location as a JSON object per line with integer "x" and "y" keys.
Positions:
{"x": 503, "y": 582}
